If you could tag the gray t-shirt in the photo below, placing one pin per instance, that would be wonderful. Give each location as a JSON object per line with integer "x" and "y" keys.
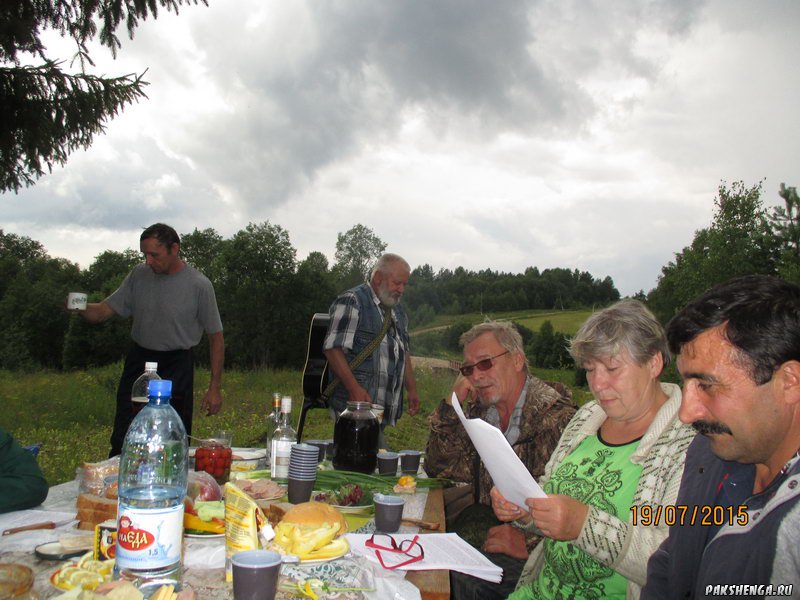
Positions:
{"x": 170, "y": 312}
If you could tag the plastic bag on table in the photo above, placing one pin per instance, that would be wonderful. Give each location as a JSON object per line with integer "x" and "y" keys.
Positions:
{"x": 202, "y": 486}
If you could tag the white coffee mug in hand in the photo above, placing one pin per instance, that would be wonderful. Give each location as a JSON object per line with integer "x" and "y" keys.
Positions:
{"x": 76, "y": 301}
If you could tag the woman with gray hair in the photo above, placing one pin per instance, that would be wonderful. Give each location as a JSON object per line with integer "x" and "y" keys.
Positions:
{"x": 619, "y": 459}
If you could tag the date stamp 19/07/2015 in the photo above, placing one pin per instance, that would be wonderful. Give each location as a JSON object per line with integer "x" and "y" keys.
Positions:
{"x": 683, "y": 514}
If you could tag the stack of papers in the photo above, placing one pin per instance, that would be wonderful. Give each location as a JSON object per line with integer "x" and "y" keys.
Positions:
{"x": 508, "y": 472}
{"x": 442, "y": 551}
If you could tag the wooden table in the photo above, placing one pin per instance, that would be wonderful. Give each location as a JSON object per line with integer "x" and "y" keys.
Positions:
{"x": 433, "y": 585}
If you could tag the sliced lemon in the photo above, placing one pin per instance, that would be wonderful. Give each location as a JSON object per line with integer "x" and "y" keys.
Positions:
{"x": 96, "y": 566}
{"x": 63, "y": 576}
{"x": 85, "y": 558}
{"x": 85, "y": 579}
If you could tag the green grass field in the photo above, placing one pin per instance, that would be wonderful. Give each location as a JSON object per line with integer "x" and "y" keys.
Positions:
{"x": 565, "y": 321}
{"x": 71, "y": 414}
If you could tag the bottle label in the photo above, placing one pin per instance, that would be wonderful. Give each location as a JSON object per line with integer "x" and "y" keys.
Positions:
{"x": 280, "y": 458}
{"x": 149, "y": 538}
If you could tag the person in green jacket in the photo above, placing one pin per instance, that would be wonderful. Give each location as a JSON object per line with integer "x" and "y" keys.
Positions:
{"x": 21, "y": 479}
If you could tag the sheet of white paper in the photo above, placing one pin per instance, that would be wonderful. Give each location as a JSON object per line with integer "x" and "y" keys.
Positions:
{"x": 442, "y": 551}
{"x": 508, "y": 473}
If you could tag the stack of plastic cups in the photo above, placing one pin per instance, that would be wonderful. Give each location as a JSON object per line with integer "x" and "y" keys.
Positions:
{"x": 302, "y": 472}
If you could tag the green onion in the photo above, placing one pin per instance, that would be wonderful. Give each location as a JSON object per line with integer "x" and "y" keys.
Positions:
{"x": 333, "y": 480}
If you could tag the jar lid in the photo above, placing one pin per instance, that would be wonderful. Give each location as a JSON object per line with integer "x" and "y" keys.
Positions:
{"x": 14, "y": 579}
{"x": 359, "y": 405}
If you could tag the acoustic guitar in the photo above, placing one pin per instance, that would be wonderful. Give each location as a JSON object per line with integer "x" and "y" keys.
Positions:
{"x": 315, "y": 371}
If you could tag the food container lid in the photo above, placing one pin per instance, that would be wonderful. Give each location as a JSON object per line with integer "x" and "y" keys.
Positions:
{"x": 14, "y": 579}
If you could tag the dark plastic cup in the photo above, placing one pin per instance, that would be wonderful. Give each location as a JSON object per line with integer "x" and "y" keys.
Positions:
{"x": 387, "y": 463}
{"x": 255, "y": 574}
{"x": 388, "y": 512}
{"x": 300, "y": 490}
{"x": 322, "y": 445}
{"x": 409, "y": 461}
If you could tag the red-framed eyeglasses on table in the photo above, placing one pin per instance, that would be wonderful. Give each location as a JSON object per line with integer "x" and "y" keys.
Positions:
{"x": 383, "y": 542}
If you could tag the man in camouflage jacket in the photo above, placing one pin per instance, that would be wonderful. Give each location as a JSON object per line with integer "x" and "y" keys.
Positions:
{"x": 531, "y": 413}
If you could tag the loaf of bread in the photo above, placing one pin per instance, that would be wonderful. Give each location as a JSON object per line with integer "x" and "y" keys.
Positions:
{"x": 94, "y": 509}
{"x": 92, "y": 476}
{"x": 313, "y": 515}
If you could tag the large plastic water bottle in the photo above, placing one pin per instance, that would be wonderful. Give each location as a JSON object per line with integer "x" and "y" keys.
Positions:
{"x": 139, "y": 396}
{"x": 152, "y": 485}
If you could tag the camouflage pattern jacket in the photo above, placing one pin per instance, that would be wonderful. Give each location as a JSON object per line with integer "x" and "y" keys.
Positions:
{"x": 450, "y": 454}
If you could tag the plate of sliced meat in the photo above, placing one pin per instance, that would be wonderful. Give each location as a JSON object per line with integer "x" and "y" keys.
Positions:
{"x": 261, "y": 489}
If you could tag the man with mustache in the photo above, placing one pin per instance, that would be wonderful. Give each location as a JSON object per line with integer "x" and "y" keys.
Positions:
{"x": 357, "y": 317}
{"x": 737, "y": 519}
{"x": 494, "y": 385}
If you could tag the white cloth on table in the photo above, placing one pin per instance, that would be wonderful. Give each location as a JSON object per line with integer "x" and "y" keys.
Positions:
{"x": 28, "y": 540}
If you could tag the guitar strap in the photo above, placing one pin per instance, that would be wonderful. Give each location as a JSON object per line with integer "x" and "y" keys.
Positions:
{"x": 362, "y": 356}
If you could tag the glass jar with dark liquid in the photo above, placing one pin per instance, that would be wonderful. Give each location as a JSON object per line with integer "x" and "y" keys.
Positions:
{"x": 355, "y": 439}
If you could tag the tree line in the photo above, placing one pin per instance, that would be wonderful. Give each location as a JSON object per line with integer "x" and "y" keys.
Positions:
{"x": 744, "y": 237}
{"x": 266, "y": 296}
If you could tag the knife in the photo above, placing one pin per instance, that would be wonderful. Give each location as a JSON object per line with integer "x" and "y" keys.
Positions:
{"x": 421, "y": 524}
{"x": 45, "y": 525}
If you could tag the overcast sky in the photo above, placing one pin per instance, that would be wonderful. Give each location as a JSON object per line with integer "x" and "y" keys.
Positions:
{"x": 483, "y": 134}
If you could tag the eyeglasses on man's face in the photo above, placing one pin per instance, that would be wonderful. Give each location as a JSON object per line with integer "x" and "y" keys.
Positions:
{"x": 482, "y": 365}
{"x": 409, "y": 547}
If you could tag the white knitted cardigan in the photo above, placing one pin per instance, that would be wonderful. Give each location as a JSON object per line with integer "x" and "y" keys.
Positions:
{"x": 609, "y": 540}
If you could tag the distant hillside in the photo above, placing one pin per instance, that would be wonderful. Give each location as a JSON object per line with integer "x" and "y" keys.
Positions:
{"x": 565, "y": 321}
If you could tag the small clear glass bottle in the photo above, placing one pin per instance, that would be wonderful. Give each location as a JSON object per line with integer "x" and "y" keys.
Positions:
{"x": 283, "y": 440}
{"x": 273, "y": 421}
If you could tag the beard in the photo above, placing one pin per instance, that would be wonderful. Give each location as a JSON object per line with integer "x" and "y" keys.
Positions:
{"x": 486, "y": 397}
{"x": 709, "y": 427}
{"x": 386, "y": 297}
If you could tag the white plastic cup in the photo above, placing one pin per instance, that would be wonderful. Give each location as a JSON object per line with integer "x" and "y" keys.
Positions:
{"x": 76, "y": 301}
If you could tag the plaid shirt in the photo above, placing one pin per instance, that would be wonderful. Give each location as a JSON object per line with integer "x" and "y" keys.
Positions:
{"x": 356, "y": 317}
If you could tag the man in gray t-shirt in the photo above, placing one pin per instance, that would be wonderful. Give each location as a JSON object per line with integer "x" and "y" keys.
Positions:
{"x": 172, "y": 304}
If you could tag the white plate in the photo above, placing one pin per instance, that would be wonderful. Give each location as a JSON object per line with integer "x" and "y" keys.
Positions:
{"x": 210, "y": 536}
{"x": 319, "y": 561}
{"x": 244, "y": 455}
{"x": 55, "y": 551}
{"x": 271, "y": 498}
{"x": 354, "y": 510}
{"x": 65, "y": 588}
